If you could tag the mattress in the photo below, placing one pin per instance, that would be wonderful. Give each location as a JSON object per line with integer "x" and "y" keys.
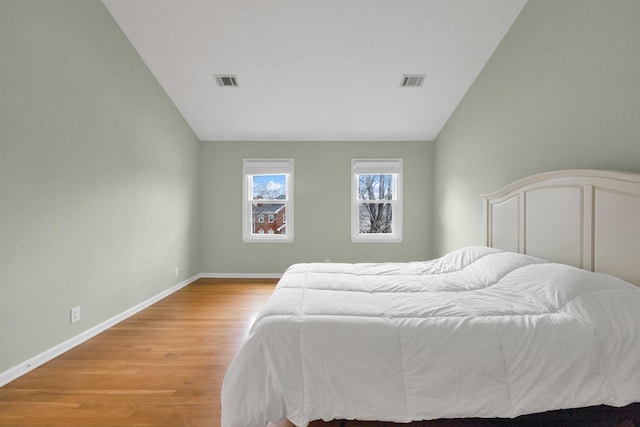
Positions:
{"x": 476, "y": 333}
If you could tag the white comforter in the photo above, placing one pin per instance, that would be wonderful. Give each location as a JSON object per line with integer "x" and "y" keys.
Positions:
{"x": 478, "y": 332}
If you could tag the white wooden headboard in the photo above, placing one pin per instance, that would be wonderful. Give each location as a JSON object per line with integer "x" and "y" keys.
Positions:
{"x": 586, "y": 218}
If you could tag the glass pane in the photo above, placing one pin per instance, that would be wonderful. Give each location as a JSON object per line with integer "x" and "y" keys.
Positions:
{"x": 375, "y": 187}
{"x": 375, "y": 218}
{"x": 269, "y": 187}
{"x": 260, "y": 211}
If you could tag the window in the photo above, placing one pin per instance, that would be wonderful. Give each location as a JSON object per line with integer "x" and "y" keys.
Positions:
{"x": 376, "y": 200}
{"x": 267, "y": 192}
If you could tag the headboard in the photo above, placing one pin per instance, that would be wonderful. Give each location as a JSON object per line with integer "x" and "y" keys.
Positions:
{"x": 586, "y": 218}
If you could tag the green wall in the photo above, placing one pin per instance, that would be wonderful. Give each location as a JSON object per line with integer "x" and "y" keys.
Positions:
{"x": 99, "y": 196}
{"x": 322, "y": 205}
{"x": 562, "y": 91}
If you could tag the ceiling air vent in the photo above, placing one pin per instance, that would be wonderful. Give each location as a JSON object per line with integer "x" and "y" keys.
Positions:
{"x": 412, "y": 80}
{"x": 226, "y": 80}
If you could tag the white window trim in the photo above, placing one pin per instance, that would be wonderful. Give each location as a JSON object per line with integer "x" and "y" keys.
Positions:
{"x": 266, "y": 167}
{"x": 377, "y": 166}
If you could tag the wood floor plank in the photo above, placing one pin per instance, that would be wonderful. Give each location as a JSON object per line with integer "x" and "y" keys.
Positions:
{"x": 161, "y": 367}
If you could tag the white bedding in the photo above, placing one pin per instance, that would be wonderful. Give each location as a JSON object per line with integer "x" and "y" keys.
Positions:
{"x": 476, "y": 333}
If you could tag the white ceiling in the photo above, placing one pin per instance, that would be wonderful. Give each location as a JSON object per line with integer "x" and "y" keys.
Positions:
{"x": 315, "y": 69}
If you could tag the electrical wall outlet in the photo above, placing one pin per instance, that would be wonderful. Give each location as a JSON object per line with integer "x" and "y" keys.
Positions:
{"x": 178, "y": 271}
{"x": 75, "y": 314}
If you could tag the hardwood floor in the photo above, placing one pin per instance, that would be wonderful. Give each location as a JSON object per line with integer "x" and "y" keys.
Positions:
{"x": 165, "y": 365}
{"x": 161, "y": 367}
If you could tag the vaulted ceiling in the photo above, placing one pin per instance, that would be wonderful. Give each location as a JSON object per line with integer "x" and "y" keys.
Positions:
{"x": 315, "y": 69}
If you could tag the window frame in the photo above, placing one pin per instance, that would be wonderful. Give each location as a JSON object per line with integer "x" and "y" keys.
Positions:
{"x": 372, "y": 166}
{"x": 263, "y": 166}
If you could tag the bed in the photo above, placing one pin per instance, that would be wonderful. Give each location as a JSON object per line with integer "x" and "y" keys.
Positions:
{"x": 544, "y": 317}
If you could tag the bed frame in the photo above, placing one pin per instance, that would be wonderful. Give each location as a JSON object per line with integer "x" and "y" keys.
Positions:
{"x": 585, "y": 218}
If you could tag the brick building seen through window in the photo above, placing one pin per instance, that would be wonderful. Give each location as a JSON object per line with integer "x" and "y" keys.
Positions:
{"x": 269, "y": 218}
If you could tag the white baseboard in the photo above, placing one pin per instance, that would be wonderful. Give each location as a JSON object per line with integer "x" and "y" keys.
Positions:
{"x": 240, "y": 275}
{"x": 42, "y": 358}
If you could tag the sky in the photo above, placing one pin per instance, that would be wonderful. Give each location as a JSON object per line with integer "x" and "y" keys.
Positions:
{"x": 273, "y": 184}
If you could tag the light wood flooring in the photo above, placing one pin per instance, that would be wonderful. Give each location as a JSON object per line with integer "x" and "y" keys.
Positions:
{"x": 161, "y": 367}
{"x": 164, "y": 367}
